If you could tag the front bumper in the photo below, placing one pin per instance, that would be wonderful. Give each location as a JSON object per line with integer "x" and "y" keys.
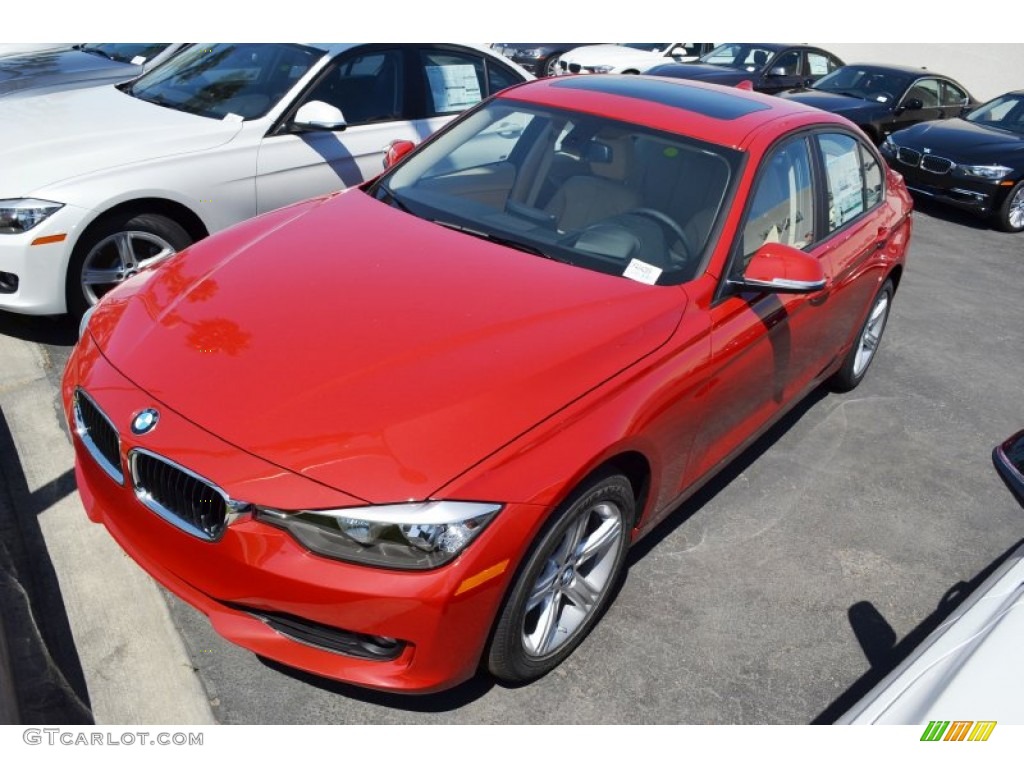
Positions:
{"x": 34, "y": 264}
{"x": 972, "y": 194}
{"x": 257, "y": 583}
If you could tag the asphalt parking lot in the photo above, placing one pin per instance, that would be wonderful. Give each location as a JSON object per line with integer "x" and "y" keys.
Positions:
{"x": 800, "y": 576}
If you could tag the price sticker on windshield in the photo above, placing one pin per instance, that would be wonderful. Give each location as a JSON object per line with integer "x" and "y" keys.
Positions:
{"x": 642, "y": 272}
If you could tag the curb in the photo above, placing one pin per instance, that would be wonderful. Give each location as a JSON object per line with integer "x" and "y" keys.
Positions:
{"x": 135, "y": 664}
{"x": 9, "y": 714}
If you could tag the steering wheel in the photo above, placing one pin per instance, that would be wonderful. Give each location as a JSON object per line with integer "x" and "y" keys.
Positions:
{"x": 668, "y": 222}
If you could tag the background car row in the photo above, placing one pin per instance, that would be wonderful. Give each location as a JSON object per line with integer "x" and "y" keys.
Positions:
{"x": 974, "y": 160}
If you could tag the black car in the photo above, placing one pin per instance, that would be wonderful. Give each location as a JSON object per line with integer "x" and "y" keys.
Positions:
{"x": 882, "y": 98}
{"x": 975, "y": 163}
{"x": 770, "y": 67}
{"x": 538, "y": 59}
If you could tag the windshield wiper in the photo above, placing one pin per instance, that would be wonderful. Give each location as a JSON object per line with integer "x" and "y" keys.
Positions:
{"x": 500, "y": 240}
{"x": 385, "y": 195}
{"x": 160, "y": 101}
{"x": 97, "y": 51}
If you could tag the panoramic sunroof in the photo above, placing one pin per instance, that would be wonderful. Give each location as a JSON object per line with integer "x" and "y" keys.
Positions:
{"x": 720, "y": 106}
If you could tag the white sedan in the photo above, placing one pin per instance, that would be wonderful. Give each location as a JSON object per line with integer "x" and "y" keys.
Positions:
{"x": 970, "y": 666}
{"x": 100, "y": 182}
{"x": 626, "y": 58}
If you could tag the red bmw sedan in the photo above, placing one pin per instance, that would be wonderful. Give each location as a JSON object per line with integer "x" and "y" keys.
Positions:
{"x": 408, "y": 431}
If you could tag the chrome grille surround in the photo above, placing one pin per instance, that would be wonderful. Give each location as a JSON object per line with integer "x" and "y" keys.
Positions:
{"x": 98, "y": 434}
{"x": 938, "y": 165}
{"x": 184, "y": 499}
{"x": 908, "y": 156}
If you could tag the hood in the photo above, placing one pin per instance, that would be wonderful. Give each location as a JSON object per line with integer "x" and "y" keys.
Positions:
{"x": 708, "y": 73}
{"x": 64, "y": 68}
{"x": 962, "y": 141}
{"x": 830, "y": 102}
{"x": 590, "y": 55}
{"x": 54, "y": 137}
{"x": 370, "y": 350}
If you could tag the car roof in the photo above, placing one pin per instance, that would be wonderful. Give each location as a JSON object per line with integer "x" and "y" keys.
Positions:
{"x": 712, "y": 113}
{"x": 335, "y": 48}
{"x": 770, "y": 46}
{"x": 898, "y": 69}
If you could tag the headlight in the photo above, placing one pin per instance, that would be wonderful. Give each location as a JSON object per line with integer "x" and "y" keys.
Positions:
{"x": 17, "y": 216}
{"x": 600, "y": 69}
{"x": 992, "y": 172}
{"x": 403, "y": 536}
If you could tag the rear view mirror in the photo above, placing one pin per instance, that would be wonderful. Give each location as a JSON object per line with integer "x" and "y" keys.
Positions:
{"x": 396, "y": 150}
{"x": 1009, "y": 460}
{"x": 778, "y": 268}
{"x": 319, "y": 116}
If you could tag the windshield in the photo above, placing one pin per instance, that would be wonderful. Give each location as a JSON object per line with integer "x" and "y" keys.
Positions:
{"x": 214, "y": 80}
{"x": 865, "y": 83}
{"x": 745, "y": 56}
{"x": 598, "y": 194}
{"x": 1005, "y": 112}
{"x": 125, "y": 52}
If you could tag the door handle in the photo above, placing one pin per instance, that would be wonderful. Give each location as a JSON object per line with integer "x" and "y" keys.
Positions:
{"x": 883, "y": 238}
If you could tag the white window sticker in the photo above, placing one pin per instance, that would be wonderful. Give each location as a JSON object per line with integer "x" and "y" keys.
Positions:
{"x": 642, "y": 272}
{"x": 454, "y": 87}
{"x": 139, "y": 60}
{"x": 846, "y": 186}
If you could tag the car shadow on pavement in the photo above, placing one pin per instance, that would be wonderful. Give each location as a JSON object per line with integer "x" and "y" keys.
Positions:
{"x": 719, "y": 482}
{"x": 56, "y": 330}
{"x": 935, "y": 210}
{"x": 48, "y": 679}
{"x": 878, "y": 639}
{"x": 445, "y": 701}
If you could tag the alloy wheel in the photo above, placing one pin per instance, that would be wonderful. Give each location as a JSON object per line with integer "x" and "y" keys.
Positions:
{"x": 1015, "y": 212}
{"x": 119, "y": 256}
{"x": 872, "y": 334}
{"x": 577, "y": 573}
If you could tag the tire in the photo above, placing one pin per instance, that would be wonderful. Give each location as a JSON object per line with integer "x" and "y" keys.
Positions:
{"x": 98, "y": 262}
{"x": 549, "y": 67}
{"x": 1010, "y": 216}
{"x": 560, "y": 591}
{"x": 859, "y": 358}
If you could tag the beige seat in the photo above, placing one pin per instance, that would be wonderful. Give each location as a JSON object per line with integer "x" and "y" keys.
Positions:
{"x": 585, "y": 199}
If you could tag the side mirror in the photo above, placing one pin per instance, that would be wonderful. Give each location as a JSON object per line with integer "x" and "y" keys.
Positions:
{"x": 912, "y": 104}
{"x": 777, "y": 72}
{"x": 319, "y": 116}
{"x": 1009, "y": 460}
{"x": 396, "y": 150}
{"x": 778, "y": 268}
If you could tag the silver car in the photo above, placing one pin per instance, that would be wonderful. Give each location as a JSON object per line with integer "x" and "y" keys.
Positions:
{"x": 82, "y": 65}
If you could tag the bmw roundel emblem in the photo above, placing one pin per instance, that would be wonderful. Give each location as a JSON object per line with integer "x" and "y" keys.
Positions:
{"x": 145, "y": 421}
